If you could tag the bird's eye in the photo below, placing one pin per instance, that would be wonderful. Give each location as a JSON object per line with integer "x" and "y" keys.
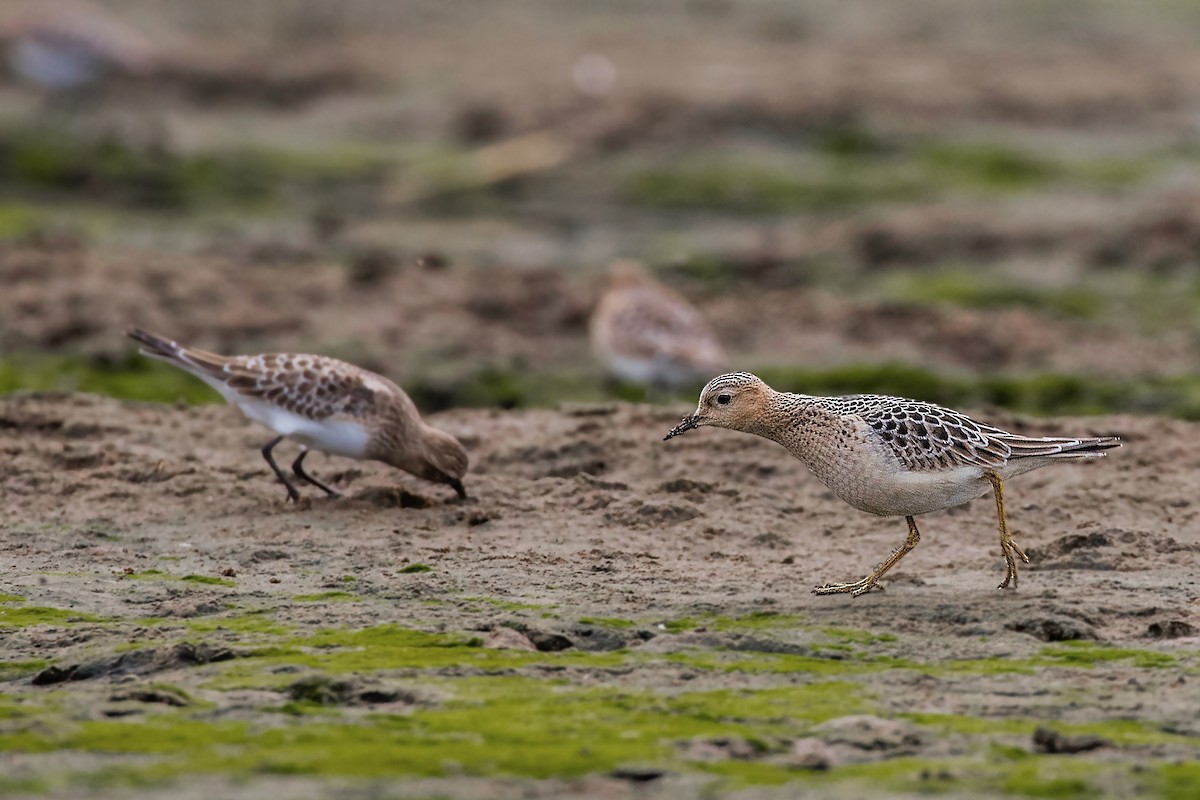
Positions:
{"x": 724, "y": 399}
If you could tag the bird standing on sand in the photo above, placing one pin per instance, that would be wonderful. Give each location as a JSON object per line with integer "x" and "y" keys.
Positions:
{"x": 644, "y": 333}
{"x": 887, "y": 455}
{"x": 323, "y": 404}
{"x": 68, "y": 46}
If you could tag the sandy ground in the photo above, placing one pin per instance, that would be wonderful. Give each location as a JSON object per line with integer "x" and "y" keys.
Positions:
{"x": 584, "y": 511}
{"x": 169, "y": 626}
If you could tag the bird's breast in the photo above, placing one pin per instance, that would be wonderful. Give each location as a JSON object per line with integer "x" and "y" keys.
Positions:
{"x": 865, "y": 473}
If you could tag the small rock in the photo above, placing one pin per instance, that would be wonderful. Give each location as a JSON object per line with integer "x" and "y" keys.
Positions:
{"x": 165, "y": 695}
{"x": 638, "y": 774}
{"x": 322, "y": 691}
{"x": 502, "y": 638}
{"x": 1053, "y": 629}
{"x": 870, "y": 733}
{"x": 719, "y": 749}
{"x": 811, "y": 754}
{"x": 1048, "y": 741}
{"x": 549, "y": 642}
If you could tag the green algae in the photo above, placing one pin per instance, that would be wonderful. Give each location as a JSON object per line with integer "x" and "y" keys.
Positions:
{"x": 209, "y": 580}
{"x": 414, "y": 568}
{"x": 253, "y": 622}
{"x": 782, "y": 663}
{"x": 754, "y": 621}
{"x": 509, "y": 605}
{"x": 41, "y": 615}
{"x": 114, "y": 170}
{"x": 845, "y": 173}
{"x": 14, "y": 670}
{"x": 333, "y": 596}
{"x": 390, "y": 648}
{"x": 488, "y": 726}
{"x": 134, "y": 378}
{"x": 11, "y": 598}
{"x": 608, "y": 622}
{"x": 967, "y": 289}
{"x": 856, "y": 636}
{"x": 1119, "y": 731}
{"x": 1089, "y": 654}
{"x": 160, "y": 575}
{"x": 742, "y": 187}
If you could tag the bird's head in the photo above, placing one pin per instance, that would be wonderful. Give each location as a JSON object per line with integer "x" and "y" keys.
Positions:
{"x": 736, "y": 401}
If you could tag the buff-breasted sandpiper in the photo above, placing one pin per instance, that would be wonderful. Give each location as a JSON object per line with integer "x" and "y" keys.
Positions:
{"x": 887, "y": 455}
{"x": 322, "y": 404}
{"x": 66, "y": 46}
{"x": 647, "y": 334}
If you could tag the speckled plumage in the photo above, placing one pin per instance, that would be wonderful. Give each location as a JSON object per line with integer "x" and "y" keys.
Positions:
{"x": 887, "y": 455}
{"x": 645, "y": 333}
{"x": 323, "y": 404}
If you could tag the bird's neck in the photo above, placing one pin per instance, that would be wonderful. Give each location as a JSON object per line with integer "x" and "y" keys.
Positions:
{"x": 790, "y": 420}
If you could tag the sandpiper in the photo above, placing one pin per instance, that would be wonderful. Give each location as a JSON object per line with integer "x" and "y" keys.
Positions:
{"x": 66, "y": 46}
{"x": 887, "y": 455}
{"x": 323, "y": 404}
{"x": 644, "y": 333}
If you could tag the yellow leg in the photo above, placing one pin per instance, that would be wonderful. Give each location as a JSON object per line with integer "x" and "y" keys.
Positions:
{"x": 1007, "y": 545}
{"x": 867, "y": 583}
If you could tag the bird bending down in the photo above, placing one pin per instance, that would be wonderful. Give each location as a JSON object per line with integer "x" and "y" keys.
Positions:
{"x": 323, "y": 404}
{"x": 887, "y": 455}
{"x": 645, "y": 333}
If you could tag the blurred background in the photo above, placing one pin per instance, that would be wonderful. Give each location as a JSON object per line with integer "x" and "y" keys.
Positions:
{"x": 964, "y": 201}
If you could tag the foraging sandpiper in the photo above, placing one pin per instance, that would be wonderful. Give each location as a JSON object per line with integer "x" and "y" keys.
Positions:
{"x": 323, "y": 404}
{"x": 67, "y": 46}
{"x": 887, "y": 455}
{"x": 644, "y": 333}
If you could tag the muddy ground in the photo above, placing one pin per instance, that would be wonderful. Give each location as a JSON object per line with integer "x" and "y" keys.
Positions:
{"x": 988, "y": 206}
{"x": 157, "y": 581}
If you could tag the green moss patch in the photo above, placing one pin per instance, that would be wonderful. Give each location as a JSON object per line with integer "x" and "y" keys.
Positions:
{"x": 134, "y": 378}
{"x": 487, "y": 726}
{"x": 209, "y": 580}
{"x": 333, "y": 596}
{"x": 390, "y": 648}
{"x": 509, "y": 605}
{"x": 14, "y": 670}
{"x": 111, "y": 169}
{"x": 23, "y": 616}
{"x": 1089, "y": 654}
{"x": 258, "y": 623}
{"x": 608, "y": 622}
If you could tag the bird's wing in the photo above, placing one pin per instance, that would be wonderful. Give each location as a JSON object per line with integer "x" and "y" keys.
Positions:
{"x": 927, "y": 436}
{"x": 315, "y": 387}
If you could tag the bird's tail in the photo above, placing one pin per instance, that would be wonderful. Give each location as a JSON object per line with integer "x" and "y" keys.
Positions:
{"x": 1058, "y": 447}
{"x": 197, "y": 362}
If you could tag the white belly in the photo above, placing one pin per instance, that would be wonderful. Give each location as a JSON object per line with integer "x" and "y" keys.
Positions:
{"x": 337, "y": 437}
{"x": 663, "y": 371}
{"x": 867, "y": 476}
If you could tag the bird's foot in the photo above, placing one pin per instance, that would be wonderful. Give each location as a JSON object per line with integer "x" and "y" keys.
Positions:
{"x": 1011, "y": 551}
{"x": 293, "y": 495}
{"x": 853, "y": 589}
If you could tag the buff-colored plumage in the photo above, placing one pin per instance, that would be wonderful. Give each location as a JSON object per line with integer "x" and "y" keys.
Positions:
{"x": 62, "y": 46}
{"x": 887, "y": 455}
{"x": 645, "y": 333}
{"x": 323, "y": 404}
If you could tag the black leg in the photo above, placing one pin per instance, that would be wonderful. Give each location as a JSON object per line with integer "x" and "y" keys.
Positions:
{"x": 298, "y": 468}
{"x": 293, "y": 495}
